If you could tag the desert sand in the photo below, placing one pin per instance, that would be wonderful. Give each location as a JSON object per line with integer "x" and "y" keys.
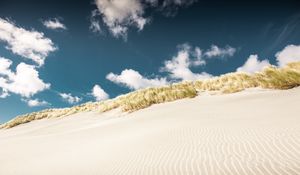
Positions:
{"x": 255, "y": 132}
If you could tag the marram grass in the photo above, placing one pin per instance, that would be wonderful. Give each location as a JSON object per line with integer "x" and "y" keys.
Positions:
{"x": 270, "y": 78}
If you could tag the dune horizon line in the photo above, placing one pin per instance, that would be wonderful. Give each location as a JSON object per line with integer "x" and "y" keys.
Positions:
{"x": 270, "y": 77}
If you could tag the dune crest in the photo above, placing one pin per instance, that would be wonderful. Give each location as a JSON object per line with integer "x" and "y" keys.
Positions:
{"x": 246, "y": 133}
{"x": 270, "y": 78}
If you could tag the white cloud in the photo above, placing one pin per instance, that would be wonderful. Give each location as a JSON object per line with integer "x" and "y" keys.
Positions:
{"x": 99, "y": 93}
{"x": 29, "y": 44}
{"x": 179, "y": 66}
{"x": 25, "y": 81}
{"x": 290, "y": 53}
{"x": 69, "y": 98}
{"x": 134, "y": 80}
{"x": 216, "y": 51}
{"x": 119, "y": 15}
{"x": 35, "y": 102}
{"x": 253, "y": 65}
{"x": 198, "y": 60}
{"x": 5, "y": 66}
{"x": 54, "y": 24}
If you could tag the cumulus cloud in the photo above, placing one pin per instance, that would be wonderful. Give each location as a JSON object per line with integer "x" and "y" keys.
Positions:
{"x": 99, "y": 93}
{"x": 216, "y": 51}
{"x": 290, "y": 53}
{"x": 35, "y": 102}
{"x": 29, "y": 44}
{"x": 25, "y": 81}
{"x": 118, "y": 15}
{"x": 134, "y": 80}
{"x": 179, "y": 66}
{"x": 54, "y": 24}
{"x": 69, "y": 98}
{"x": 5, "y": 67}
{"x": 253, "y": 65}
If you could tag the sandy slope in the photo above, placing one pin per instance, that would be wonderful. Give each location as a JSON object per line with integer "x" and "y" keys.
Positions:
{"x": 252, "y": 132}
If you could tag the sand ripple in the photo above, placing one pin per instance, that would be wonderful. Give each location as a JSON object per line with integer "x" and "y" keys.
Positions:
{"x": 249, "y": 133}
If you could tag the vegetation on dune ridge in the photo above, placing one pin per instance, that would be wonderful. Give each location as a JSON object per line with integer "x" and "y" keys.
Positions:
{"x": 270, "y": 78}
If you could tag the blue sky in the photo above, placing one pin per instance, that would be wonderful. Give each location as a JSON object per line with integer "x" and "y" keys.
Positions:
{"x": 74, "y": 52}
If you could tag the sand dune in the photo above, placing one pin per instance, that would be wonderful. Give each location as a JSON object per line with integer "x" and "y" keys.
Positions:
{"x": 270, "y": 77}
{"x": 254, "y": 132}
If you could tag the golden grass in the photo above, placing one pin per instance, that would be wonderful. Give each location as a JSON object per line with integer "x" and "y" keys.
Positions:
{"x": 270, "y": 78}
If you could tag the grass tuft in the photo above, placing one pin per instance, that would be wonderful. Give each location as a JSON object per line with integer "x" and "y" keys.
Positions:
{"x": 270, "y": 78}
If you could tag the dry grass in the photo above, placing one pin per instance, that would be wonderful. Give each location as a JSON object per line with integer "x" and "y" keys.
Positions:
{"x": 270, "y": 78}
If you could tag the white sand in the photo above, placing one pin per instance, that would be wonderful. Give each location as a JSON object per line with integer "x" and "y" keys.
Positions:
{"x": 252, "y": 132}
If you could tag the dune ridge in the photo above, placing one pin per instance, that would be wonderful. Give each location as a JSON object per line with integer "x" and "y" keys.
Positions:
{"x": 253, "y": 132}
{"x": 269, "y": 78}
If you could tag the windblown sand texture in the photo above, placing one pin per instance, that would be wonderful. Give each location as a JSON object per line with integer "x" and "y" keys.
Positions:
{"x": 253, "y": 132}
